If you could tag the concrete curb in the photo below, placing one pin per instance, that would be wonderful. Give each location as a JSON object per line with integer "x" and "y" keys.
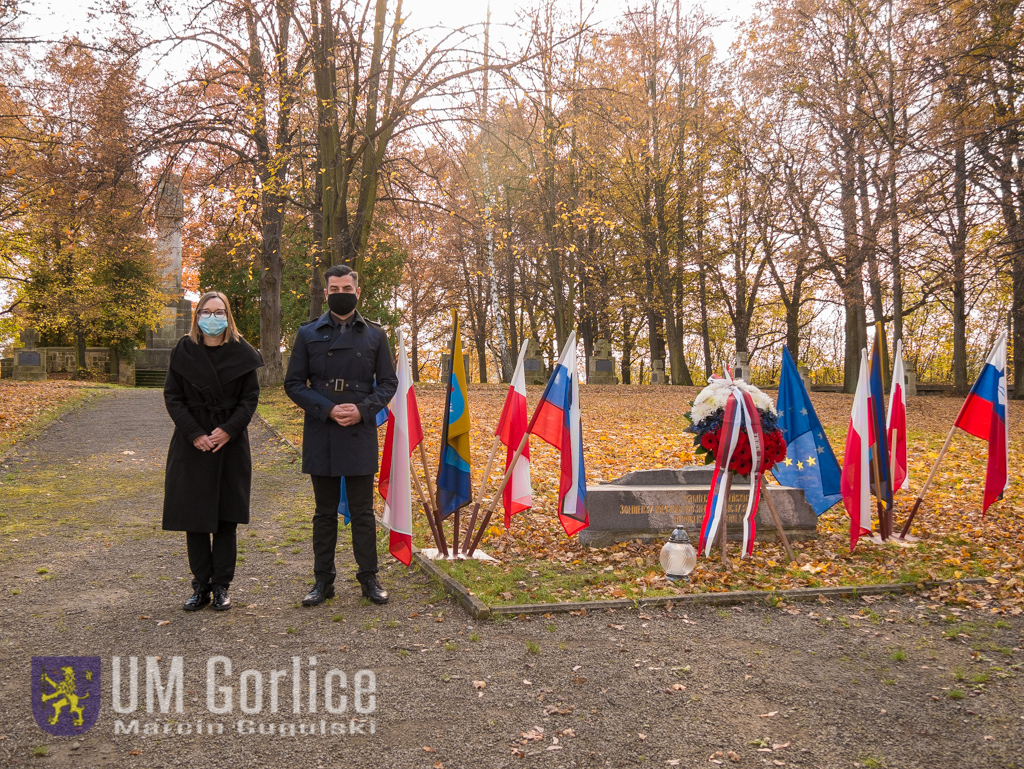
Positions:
{"x": 481, "y": 611}
{"x": 278, "y": 435}
{"x": 476, "y": 608}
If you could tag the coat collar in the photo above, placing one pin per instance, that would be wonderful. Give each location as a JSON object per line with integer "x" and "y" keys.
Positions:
{"x": 326, "y": 320}
{"x": 235, "y": 359}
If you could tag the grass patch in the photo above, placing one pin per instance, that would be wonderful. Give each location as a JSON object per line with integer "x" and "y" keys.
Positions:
{"x": 956, "y": 694}
{"x": 898, "y": 656}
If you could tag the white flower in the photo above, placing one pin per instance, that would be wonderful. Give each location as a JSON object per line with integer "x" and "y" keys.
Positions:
{"x": 714, "y": 397}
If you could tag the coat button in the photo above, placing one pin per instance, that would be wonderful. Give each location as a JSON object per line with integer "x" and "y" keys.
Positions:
{"x": 359, "y": 355}
{"x": 330, "y": 353}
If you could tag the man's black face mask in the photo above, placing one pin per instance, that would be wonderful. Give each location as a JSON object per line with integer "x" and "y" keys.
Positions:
{"x": 341, "y": 304}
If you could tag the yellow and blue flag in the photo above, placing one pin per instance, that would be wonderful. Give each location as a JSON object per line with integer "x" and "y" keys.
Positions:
{"x": 455, "y": 471}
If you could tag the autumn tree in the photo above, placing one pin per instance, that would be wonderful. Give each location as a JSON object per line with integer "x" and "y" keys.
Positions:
{"x": 90, "y": 273}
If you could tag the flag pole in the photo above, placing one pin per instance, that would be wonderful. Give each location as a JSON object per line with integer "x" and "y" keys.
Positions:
{"x": 480, "y": 493}
{"x": 878, "y": 492}
{"x": 778, "y": 521}
{"x": 927, "y": 483}
{"x": 500, "y": 491}
{"x": 426, "y": 507}
{"x": 437, "y": 511}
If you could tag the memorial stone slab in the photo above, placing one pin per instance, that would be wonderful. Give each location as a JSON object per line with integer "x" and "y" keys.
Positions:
{"x": 602, "y": 364}
{"x": 648, "y": 504}
{"x": 533, "y": 365}
{"x": 658, "y": 376}
{"x": 29, "y": 364}
{"x": 741, "y": 366}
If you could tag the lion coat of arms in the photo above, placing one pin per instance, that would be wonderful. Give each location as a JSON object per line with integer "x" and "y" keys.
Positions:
{"x": 66, "y": 693}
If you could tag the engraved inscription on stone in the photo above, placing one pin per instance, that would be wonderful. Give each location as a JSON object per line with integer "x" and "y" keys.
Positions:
{"x": 604, "y": 365}
{"x": 29, "y": 359}
{"x": 531, "y": 364}
{"x": 691, "y": 513}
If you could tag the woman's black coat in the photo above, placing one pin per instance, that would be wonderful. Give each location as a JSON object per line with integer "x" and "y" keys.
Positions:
{"x": 204, "y": 391}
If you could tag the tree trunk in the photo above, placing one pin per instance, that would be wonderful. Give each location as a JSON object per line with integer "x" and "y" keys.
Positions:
{"x": 959, "y": 254}
{"x": 79, "y": 351}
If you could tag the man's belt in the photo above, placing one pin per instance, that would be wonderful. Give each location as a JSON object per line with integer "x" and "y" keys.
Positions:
{"x": 345, "y": 385}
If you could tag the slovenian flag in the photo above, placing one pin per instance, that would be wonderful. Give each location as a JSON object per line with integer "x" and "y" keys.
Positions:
{"x": 983, "y": 415}
{"x": 403, "y": 436}
{"x": 876, "y": 418}
{"x": 896, "y": 423}
{"x": 518, "y": 494}
{"x": 454, "y": 472}
{"x": 557, "y": 422}
{"x": 810, "y": 464}
{"x": 857, "y": 461}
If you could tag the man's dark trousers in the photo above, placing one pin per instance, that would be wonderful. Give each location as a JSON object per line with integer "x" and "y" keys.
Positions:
{"x": 327, "y": 493}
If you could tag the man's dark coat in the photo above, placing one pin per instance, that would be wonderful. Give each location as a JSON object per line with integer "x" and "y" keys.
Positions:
{"x": 324, "y": 354}
{"x": 203, "y": 391}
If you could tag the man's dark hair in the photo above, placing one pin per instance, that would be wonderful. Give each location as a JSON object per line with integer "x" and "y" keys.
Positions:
{"x": 340, "y": 271}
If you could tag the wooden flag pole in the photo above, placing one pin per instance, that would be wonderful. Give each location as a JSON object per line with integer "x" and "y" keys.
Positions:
{"x": 426, "y": 508}
{"x": 775, "y": 517}
{"x": 882, "y": 528}
{"x": 498, "y": 493}
{"x": 927, "y": 483}
{"x": 479, "y": 493}
{"x": 437, "y": 511}
{"x": 455, "y": 533}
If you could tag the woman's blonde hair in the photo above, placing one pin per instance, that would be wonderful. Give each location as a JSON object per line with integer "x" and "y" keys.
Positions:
{"x": 195, "y": 333}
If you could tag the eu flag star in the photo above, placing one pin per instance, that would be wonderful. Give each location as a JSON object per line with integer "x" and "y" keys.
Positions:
{"x": 799, "y": 465}
{"x": 789, "y": 462}
{"x": 821, "y": 450}
{"x": 810, "y": 461}
{"x": 803, "y": 412}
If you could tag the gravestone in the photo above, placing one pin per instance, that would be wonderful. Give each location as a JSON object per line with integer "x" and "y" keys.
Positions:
{"x": 648, "y": 504}
{"x": 446, "y": 365}
{"x": 601, "y": 367}
{"x": 910, "y": 369}
{"x": 176, "y": 317}
{"x": 741, "y": 369}
{"x": 658, "y": 372}
{"x": 29, "y": 364}
{"x": 805, "y": 376}
{"x": 533, "y": 365}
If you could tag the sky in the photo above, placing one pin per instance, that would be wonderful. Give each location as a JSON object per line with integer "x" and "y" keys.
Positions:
{"x": 53, "y": 19}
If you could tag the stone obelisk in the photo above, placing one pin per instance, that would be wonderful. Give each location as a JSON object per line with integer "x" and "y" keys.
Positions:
{"x": 176, "y": 319}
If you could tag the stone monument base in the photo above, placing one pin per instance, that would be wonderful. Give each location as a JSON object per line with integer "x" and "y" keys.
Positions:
{"x": 648, "y": 504}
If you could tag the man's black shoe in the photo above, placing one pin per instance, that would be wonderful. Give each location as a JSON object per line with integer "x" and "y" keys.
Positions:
{"x": 198, "y": 600}
{"x": 373, "y": 591}
{"x": 221, "y": 601}
{"x": 320, "y": 593}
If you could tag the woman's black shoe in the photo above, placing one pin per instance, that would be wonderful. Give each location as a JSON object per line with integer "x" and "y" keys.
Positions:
{"x": 198, "y": 600}
{"x": 221, "y": 601}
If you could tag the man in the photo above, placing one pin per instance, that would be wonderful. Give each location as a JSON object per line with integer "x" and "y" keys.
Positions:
{"x": 341, "y": 374}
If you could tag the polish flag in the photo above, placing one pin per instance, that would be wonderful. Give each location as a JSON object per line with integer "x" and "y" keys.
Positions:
{"x": 983, "y": 415}
{"x": 395, "y": 483}
{"x": 518, "y": 494}
{"x": 854, "y": 483}
{"x": 896, "y": 423}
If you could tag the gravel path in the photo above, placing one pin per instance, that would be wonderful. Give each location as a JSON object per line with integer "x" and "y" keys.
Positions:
{"x": 85, "y": 570}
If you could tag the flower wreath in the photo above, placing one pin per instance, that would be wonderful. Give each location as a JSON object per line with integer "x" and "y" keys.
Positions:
{"x": 706, "y": 414}
{"x": 736, "y": 426}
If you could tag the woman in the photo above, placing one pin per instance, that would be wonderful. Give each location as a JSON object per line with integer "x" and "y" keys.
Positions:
{"x": 211, "y": 393}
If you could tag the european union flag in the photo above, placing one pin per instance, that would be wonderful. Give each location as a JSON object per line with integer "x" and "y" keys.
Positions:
{"x": 810, "y": 463}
